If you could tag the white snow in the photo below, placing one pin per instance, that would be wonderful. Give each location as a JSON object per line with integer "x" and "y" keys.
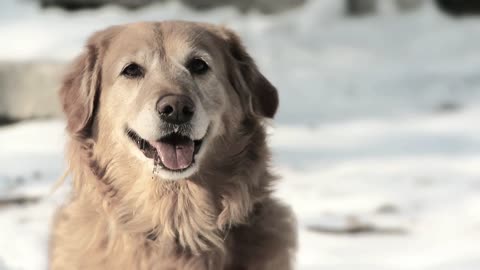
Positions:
{"x": 364, "y": 136}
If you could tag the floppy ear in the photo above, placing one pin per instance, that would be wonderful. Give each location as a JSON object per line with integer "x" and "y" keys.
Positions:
{"x": 81, "y": 85}
{"x": 78, "y": 91}
{"x": 264, "y": 96}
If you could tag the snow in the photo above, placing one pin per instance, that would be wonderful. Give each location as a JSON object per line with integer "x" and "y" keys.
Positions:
{"x": 377, "y": 130}
{"x": 418, "y": 176}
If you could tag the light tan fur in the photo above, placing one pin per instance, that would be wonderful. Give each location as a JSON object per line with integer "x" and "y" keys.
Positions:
{"x": 121, "y": 215}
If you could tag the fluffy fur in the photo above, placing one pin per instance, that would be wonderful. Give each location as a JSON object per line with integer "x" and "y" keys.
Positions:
{"x": 123, "y": 216}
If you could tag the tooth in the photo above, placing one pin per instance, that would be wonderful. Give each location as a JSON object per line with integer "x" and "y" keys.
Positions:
{"x": 176, "y": 129}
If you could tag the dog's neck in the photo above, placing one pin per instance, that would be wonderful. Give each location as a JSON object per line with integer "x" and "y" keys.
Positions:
{"x": 193, "y": 215}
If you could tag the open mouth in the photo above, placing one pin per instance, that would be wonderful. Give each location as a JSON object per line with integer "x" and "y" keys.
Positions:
{"x": 173, "y": 152}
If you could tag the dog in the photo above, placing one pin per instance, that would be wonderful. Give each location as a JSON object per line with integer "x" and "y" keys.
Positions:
{"x": 168, "y": 156}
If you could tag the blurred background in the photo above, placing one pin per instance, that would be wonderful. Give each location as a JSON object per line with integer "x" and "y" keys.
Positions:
{"x": 377, "y": 139}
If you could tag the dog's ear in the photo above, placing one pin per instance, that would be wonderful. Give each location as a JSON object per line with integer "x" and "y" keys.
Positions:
{"x": 264, "y": 96}
{"x": 81, "y": 85}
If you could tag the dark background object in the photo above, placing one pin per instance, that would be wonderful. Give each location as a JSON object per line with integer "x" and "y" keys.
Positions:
{"x": 73, "y": 5}
{"x": 265, "y": 6}
{"x": 360, "y": 7}
{"x": 459, "y": 7}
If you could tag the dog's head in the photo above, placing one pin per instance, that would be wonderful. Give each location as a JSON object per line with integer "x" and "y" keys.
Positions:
{"x": 163, "y": 93}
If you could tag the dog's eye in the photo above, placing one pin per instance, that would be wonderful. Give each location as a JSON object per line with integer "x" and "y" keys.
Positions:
{"x": 197, "y": 66}
{"x": 133, "y": 71}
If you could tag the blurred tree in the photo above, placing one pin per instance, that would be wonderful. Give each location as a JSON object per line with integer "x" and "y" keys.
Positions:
{"x": 360, "y": 7}
{"x": 459, "y": 7}
{"x": 80, "y": 4}
{"x": 266, "y": 6}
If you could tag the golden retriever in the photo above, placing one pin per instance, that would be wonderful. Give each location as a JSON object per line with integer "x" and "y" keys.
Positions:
{"x": 168, "y": 155}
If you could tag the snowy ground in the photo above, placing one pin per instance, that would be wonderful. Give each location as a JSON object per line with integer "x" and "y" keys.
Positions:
{"x": 377, "y": 133}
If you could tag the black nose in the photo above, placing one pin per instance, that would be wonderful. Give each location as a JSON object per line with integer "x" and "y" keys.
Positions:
{"x": 175, "y": 109}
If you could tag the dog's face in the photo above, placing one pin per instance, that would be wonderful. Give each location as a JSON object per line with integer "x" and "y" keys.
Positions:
{"x": 163, "y": 93}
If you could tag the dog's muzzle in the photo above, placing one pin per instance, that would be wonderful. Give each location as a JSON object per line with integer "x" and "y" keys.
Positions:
{"x": 174, "y": 151}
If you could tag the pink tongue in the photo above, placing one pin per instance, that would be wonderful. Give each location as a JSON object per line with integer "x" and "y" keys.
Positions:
{"x": 175, "y": 157}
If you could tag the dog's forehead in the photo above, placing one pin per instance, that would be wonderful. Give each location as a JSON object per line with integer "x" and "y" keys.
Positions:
{"x": 170, "y": 37}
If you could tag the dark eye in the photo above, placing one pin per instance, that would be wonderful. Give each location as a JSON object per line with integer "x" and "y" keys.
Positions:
{"x": 133, "y": 71}
{"x": 197, "y": 66}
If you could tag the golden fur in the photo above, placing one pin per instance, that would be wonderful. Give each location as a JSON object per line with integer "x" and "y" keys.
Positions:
{"x": 122, "y": 216}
